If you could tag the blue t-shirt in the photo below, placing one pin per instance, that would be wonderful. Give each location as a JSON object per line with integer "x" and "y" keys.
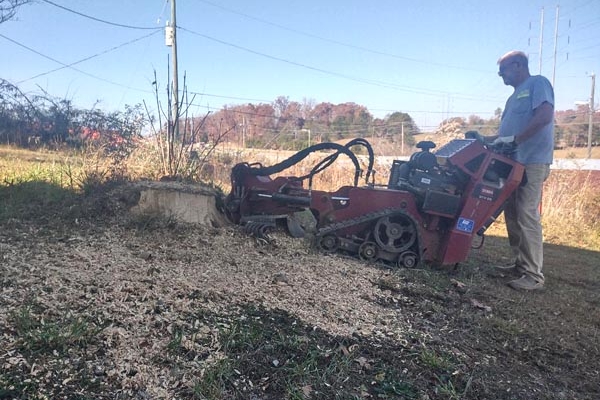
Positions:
{"x": 518, "y": 111}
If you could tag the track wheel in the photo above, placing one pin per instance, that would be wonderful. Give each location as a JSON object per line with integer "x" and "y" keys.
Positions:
{"x": 368, "y": 251}
{"x": 329, "y": 243}
{"x": 395, "y": 233}
{"x": 408, "y": 259}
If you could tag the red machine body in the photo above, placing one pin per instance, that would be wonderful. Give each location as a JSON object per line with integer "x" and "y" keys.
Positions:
{"x": 429, "y": 211}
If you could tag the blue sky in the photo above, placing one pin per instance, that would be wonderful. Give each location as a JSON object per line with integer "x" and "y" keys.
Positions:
{"x": 433, "y": 59}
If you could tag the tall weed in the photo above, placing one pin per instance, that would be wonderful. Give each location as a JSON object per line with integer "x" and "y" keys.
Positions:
{"x": 571, "y": 208}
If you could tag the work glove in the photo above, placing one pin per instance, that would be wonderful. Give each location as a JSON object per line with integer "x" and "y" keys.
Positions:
{"x": 505, "y": 145}
{"x": 503, "y": 140}
{"x": 474, "y": 135}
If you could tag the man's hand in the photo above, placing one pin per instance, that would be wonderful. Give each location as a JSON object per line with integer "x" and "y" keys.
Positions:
{"x": 506, "y": 145}
{"x": 503, "y": 140}
{"x": 474, "y": 135}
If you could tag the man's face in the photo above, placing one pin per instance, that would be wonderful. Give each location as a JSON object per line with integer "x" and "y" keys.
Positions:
{"x": 509, "y": 70}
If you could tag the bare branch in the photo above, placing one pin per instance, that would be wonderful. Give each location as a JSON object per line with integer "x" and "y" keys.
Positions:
{"x": 8, "y": 8}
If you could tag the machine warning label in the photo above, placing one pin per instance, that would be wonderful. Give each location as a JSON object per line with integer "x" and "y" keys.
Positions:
{"x": 465, "y": 225}
{"x": 485, "y": 193}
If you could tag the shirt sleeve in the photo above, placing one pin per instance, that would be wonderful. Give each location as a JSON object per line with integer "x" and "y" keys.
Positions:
{"x": 542, "y": 93}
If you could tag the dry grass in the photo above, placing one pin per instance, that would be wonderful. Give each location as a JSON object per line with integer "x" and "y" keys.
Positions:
{"x": 571, "y": 208}
{"x": 21, "y": 165}
{"x": 577, "y": 152}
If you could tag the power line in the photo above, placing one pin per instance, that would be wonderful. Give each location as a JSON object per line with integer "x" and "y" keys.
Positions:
{"x": 66, "y": 65}
{"x": 327, "y": 72}
{"x": 352, "y": 46}
{"x": 357, "y": 128}
{"x": 576, "y": 7}
{"x": 80, "y": 61}
{"x": 229, "y": 97}
{"x": 98, "y": 19}
{"x": 357, "y": 79}
{"x": 236, "y": 110}
{"x": 141, "y": 90}
{"x": 333, "y": 73}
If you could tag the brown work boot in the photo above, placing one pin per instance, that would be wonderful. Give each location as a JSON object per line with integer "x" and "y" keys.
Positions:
{"x": 526, "y": 282}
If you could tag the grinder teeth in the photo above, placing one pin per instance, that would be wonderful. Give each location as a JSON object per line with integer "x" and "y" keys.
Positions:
{"x": 259, "y": 230}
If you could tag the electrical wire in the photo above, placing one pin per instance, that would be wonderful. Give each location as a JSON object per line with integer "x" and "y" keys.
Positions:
{"x": 327, "y": 72}
{"x": 352, "y": 46}
{"x": 66, "y": 65}
{"x": 332, "y": 73}
{"x": 80, "y": 61}
{"x": 98, "y": 19}
{"x": 355, "y": 128}
{"x": 229, "y": 97}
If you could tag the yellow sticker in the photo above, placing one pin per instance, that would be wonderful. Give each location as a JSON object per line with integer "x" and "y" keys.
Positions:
{"x": 522, "y": 94}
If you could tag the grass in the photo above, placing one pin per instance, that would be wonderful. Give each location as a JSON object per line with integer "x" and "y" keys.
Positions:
{"x": 21, "y": 165}
{"x": 39, "y": 335}
{"x": 571, "y": 208}
{"x": 263, "y": 349}
{"x": 431, "y": 359}
{"x": 62, "y": 341}
{"x": 214, "y": 381}
{"x": 577, "y": 152}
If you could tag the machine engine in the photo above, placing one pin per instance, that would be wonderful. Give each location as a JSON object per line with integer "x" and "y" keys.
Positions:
{"x": 429, "y": 211}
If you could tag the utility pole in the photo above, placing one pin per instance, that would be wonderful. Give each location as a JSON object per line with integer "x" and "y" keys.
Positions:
{"x": 243, "y": 132}
{"x": 172, "y": 130}
{"x": 541, "y": 38}
{"x": 175, "y": 95}
{"x": 591, "y": 122}
{"x": 555, "y": 45}
{"x": 402, "y": 139}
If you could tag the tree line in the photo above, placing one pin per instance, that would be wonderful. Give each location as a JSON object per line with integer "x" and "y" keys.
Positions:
{"x": 290, "y": 125}
{"x": 27, "y": 120}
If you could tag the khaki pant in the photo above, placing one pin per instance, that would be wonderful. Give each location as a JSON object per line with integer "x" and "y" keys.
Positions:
{"x": 523, "y": 224}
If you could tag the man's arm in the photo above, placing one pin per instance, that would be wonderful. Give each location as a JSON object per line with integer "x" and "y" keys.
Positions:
{"x": 542, "y": 116}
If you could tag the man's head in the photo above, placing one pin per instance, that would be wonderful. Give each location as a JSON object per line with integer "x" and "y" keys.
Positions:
{"x": 513, "y": 68}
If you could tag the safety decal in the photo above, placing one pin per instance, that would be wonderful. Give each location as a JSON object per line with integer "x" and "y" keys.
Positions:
{"x": 485, "y": 193}
{"x": 465, "y": 225}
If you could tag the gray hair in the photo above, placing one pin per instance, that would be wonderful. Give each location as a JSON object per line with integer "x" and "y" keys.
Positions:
{"x": 517, "y": 56}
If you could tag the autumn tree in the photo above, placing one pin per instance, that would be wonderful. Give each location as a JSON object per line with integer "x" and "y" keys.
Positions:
{"x": 485, "y": 127}
{"x": 572, "y": 127}
{"x": 350, "y": 120}
{"x": 291, "y": 125}
{"x": 400, "y": 126}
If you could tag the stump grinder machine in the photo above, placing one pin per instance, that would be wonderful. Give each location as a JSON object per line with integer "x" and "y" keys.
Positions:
{"x": 429, "y": 212}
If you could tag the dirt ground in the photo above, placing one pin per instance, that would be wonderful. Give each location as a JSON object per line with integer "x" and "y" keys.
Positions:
{"x": 99, "y": 304}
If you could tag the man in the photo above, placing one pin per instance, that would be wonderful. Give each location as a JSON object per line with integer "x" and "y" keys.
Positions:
{"x": 528, "y": 123}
